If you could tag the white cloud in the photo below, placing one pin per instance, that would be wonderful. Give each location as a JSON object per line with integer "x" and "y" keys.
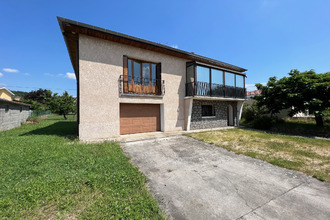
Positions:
{"x": 70, "y": 75}
{"x": 49, "y": 74}
{"x": 9, "y": 70}
{"x": 1, "y": 74}
{"x": 67, "y": 75}
{"x": 175, "y": 46}
{"x": 26, "y": 74}
{"x": 2, "y": 84}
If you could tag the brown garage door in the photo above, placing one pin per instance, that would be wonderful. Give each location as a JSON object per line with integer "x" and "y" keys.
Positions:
{"x": 138, "y": 118}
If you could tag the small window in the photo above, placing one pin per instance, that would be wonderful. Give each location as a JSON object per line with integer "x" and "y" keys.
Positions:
{"x": 207, "y": 110}
{"x": 20, "y": 109}
{"x": 7, "y": 108}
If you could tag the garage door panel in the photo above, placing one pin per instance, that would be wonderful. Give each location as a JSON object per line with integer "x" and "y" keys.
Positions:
{"x": 138, "y": 118}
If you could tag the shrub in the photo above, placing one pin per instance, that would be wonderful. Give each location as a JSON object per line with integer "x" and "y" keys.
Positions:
{"x": 248, "y": 113}
{"x": 263, "y": 122}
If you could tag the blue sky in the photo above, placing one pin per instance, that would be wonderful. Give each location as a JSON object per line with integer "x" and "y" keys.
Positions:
{"x": 267, "y": 37}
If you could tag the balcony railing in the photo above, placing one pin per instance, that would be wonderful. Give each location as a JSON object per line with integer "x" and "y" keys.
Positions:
{"x": 214, "y": 90}
{"x": 143, "y": 86}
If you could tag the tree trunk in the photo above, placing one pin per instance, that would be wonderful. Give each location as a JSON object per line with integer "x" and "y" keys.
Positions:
{"x": 319, "y": 120}
{"x": 65, "y": 116}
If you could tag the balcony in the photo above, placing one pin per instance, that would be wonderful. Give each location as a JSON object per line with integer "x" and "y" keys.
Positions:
{"x": 214, "y": 90}
{"x": 141, "y": 86}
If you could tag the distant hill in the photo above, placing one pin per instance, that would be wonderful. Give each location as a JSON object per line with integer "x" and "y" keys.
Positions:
{"x": 19, "y": 93}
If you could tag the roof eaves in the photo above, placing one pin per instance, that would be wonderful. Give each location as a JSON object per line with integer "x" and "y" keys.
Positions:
{"x": 4, "y": 88}
{"x": 13, "y": 102}
{"x": 128, "y": 37}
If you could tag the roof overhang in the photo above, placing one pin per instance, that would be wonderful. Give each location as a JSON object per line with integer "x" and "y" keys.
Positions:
{"x": 14, "y": 103}
{"x": 72, "y": 29}
{"x": 4, "y": 88}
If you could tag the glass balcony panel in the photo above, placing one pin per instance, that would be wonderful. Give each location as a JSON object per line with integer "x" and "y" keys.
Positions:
{"x": 239, "y": 81}
{"x": 229, "y": 79}
{"x": 203, "y": 74}
{"x": 217, "y": 76}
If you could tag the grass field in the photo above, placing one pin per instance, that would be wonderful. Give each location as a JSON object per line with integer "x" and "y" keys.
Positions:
{"x": 302, "y": 127}
{"x": 310, "y": 156}
{"x": 47, "y": 174}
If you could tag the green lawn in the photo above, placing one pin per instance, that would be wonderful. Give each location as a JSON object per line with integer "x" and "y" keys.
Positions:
{"x": 311, "y": 156}
{"x": 302, "y": 127}
{"x": 46, "y": 174}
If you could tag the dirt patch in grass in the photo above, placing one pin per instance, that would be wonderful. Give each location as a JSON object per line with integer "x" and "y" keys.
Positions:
{"x": 311, "y": 156}
{"x": 32, "y": 121}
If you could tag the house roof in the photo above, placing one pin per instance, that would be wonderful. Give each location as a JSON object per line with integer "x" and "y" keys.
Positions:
{"x": 3, "y": 88}
{"x": 13, "y": 102}
{"x": 253, "y": 93}
{"x": 71, "y": 30}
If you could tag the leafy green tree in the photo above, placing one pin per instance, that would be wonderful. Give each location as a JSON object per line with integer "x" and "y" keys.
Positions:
{"x": 39, "y": 95}
{"x": 19, "y": 93}
{"x": 62, "y": 104}
{"x": 299, "y": 92}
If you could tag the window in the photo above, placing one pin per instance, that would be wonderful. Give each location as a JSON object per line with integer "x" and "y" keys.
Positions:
{"x": 230, "y": 79}
{"x": 137, "y": 72}
{"x": 7, "y": 108}
{"x": 207, "y": 110}
{"x": 203, "y": 74}
{"x": 217, "y": 76}
{"x": 240, "y": 81}
{"x": 141, "y": 72}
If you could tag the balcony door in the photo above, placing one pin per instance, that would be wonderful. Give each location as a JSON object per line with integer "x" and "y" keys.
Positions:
{"x": 230, "y": 115}
{"x": 141, "y": 77}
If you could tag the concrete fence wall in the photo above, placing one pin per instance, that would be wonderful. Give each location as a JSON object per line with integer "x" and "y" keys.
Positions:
{"x": 12, "y": 115}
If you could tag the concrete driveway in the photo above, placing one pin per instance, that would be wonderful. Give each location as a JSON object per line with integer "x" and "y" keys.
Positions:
{"x": 194, "y": 180}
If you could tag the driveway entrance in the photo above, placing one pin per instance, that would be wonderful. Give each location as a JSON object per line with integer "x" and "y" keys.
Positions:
{"x": 194, "y": 180}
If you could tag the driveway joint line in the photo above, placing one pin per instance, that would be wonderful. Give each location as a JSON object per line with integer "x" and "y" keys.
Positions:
{"x": 260, "y": 206}
{"x": 237, "y": 192}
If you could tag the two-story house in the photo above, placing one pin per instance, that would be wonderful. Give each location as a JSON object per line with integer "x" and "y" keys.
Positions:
{"x": 128, "y": 85}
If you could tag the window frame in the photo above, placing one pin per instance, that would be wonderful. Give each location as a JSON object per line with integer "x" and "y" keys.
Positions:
{"x": 141, "y": 62}
{"x": 224, "y": 71}
{"x": 208, "y": 115}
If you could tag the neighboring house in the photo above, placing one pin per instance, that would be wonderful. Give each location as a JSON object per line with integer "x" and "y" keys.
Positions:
{"x": 282, "y": 114}
{"x": 12, "y": 114}
{"x": 128, "y": 85}
{"x": 17, "y": 98}
{"x": 6, "y": 94}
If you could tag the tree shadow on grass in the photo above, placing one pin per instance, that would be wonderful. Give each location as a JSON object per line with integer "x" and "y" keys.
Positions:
{"x": 66, "y": 129}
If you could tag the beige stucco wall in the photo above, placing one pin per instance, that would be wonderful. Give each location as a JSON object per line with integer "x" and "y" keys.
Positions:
{"x": 100, "y": 66}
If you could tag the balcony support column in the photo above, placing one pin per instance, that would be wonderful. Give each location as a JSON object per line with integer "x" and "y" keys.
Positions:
{"x": 187, "y": 112}
{"x": 239, "y": 111}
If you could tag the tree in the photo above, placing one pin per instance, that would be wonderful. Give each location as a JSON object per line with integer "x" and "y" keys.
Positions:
{"x": 19, "y": 93}
{"x": 299, "y": 92}
{"x": 62, "y": 104}
{"x": 39, "y": 95}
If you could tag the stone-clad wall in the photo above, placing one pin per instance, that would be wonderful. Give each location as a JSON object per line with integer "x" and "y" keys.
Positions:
{"x": 220, "y": 118}
{"x": 14, "y": 117}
